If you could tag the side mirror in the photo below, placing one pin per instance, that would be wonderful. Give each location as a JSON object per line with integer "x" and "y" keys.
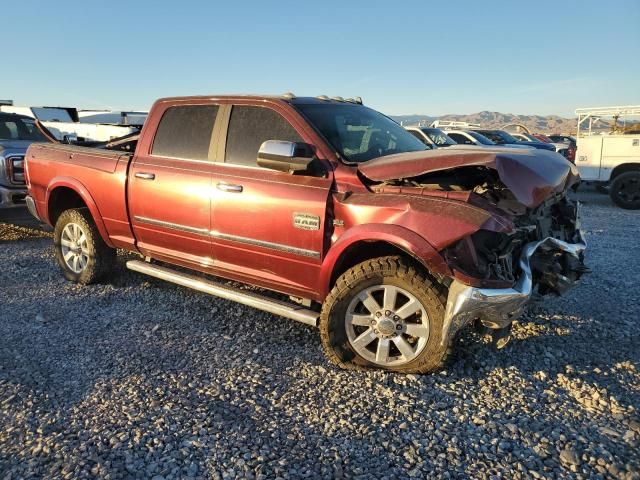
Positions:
{"x": 289, "y": 157}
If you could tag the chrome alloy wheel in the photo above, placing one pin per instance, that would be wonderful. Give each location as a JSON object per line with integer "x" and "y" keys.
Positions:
{"x": 387, "y": 325}
{"x": 74, "y": 246}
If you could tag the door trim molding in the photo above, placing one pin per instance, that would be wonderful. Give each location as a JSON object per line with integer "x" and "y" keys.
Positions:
{"x": 232, "y": 238}
{"x": 173, "y": 226}
{"x": 264, "y": 244}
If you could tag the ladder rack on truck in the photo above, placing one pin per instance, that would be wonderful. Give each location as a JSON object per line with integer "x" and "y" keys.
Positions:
{"x": 611, "y": 159}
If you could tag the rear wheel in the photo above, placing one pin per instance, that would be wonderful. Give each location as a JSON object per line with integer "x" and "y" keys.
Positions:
{"x": 385, "y": 313}
{"x": 625, "y": 190}
{"x": 80, "y": 250}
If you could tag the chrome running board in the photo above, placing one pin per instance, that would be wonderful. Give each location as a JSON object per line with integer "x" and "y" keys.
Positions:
{"x": 250, "y": 299}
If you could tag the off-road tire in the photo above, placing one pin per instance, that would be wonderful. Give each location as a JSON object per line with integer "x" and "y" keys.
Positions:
{"x": 616, "y": 188}
{"x": 101, "y": 257}
{"x": 393, "y": 270}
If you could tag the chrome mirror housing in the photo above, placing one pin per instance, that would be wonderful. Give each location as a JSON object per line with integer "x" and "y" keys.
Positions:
{"x": 285, "y": 156}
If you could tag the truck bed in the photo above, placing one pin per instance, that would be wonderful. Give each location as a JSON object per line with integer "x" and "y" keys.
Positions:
{"x": 99, "y": 175}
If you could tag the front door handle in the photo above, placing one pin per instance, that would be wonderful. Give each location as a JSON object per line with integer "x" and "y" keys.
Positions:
{"x": 227, "y": 187}
{"x": 145, "y": 175}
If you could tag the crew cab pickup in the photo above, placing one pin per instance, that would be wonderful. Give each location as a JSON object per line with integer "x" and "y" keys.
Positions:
{"x": 340, "y": 217}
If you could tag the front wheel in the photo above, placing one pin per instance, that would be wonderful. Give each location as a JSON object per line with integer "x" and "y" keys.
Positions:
{"x": 625, "y": 190}
{"x": 385, "y": 313}
{"x": 80, "y": 250}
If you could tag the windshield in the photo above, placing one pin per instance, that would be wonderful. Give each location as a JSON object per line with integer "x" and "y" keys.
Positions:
{"x": 498, "y": 136}
{"x": 438, "y": 137}
{"x": 481, "y": 138}
{"x": 19, "y": 128}
{"x": 359, "y": 133}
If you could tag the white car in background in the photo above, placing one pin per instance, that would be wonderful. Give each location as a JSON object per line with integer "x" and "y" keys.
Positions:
{"x": 432, "y": 137}
{"x": 470, "y": 137}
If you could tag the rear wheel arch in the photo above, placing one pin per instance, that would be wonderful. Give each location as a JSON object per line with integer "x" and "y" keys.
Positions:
{"x": 66, "y": 194}
{"x": 61, "y": 199}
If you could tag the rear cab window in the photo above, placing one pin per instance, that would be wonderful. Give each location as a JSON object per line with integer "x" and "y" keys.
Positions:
{"x": 249, "y": 127}
{"x": 185, "y": 132}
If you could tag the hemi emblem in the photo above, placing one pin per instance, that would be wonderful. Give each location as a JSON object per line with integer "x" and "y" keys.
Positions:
{"x": 306, "y": 221}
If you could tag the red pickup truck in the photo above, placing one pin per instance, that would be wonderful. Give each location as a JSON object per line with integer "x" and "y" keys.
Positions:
{"x": 341, "y": 217}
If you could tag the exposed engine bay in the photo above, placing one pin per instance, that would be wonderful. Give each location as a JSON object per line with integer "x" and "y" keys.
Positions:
{"x": 492, "y": 256}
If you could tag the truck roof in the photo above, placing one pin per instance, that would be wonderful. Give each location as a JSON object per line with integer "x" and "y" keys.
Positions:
{"x": 287, "y": 97}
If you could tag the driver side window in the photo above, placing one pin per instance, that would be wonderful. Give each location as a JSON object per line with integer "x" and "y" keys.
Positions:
{"x": 249, "y": 127}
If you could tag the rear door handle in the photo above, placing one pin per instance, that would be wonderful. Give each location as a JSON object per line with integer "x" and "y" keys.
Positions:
{"x": 145, "y": 175}
{"x": 227, "y": 187}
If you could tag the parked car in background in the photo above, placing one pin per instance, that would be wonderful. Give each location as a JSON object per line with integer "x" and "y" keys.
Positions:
{"x": 432, "y": 137}
{"x": 17, "y": 132}
{"x": 501, "y": 137}
{"x": 613, "y": 160}
{"x": 471, "y": 137}
{"x": 569, "y": 146}
{"x": 562, "y": 138}
{"x": 388, "y": 246}
{"x": 569, "y": 141}
{"x": 524, "y": 137}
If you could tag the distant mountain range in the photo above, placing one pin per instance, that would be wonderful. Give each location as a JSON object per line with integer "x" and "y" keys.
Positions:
{"x": 535, "y": 123}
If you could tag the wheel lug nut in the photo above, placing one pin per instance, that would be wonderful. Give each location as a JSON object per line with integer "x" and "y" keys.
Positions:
{"x": 378, "y": 314}
{"x": 396, "y": 318}
{"x": 398, "y": 327}
{"x": 387, "y": 313}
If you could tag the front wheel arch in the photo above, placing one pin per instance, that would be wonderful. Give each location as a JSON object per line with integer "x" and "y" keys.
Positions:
{"x": 370, "y": 241}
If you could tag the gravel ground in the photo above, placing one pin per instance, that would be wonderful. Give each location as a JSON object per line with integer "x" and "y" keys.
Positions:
{"x": 137, "y": 378}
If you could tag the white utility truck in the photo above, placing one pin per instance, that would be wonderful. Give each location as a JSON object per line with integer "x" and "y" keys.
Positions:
{"x": 611, "y": 158}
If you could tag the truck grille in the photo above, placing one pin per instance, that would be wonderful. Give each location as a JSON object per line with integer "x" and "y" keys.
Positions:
{"x": 15, "y": 169}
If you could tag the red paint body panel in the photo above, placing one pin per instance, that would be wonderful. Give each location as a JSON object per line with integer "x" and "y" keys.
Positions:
{"x": 182, "y": 217}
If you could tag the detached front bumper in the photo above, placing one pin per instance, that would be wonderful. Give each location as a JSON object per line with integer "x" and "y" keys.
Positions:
{"x": 496, "y": 308}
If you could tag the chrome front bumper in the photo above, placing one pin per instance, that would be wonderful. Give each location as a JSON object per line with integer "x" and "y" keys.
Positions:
{"x": 498, "y": 307}
{"x": 12, "y": 197}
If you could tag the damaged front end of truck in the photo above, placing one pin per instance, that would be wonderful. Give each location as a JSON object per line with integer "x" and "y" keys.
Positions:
{"x": 530, "y": 244}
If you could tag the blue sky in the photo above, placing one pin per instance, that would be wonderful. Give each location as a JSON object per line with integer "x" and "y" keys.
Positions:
{"x": 402, "y": 57}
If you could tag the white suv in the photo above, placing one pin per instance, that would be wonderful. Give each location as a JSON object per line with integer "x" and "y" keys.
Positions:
{"x": 432, "y": 137}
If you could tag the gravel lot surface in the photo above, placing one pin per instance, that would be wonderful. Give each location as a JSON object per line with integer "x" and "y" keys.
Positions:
{"x": 138, "y": 378}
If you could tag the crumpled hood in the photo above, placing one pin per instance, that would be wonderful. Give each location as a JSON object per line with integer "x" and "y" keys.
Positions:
{"x": 531, "y": 175}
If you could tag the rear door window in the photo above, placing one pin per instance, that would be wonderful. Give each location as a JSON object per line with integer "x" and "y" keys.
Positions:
{"x": 185, "y": 132}
{"x": 249, "y": 127}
